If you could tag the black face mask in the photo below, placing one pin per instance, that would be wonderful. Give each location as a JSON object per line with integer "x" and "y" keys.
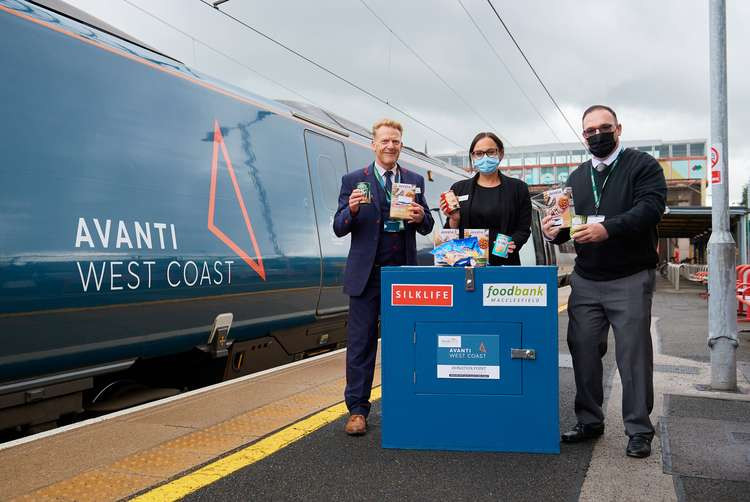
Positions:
{"x": 602, "y": 144}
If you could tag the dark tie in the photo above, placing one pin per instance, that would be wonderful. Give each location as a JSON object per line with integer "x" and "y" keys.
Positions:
{"x": 388, "y": 183}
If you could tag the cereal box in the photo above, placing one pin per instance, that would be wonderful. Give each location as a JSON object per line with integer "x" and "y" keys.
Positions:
{"x": 441, "y": 236}
{"x": 483, "y": 236}
{"x": 402, "y": 195}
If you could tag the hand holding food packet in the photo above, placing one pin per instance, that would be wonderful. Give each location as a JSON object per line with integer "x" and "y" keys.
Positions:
{"x": 402, "y": 196}
{"x": 557, "y": 202}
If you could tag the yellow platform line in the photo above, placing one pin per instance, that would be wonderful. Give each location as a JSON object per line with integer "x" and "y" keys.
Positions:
{"x": 180, "y": 487}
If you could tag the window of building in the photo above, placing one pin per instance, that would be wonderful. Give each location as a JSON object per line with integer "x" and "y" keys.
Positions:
{"x": 561, "y": 157}
{"x": 577, "y": 156}
{"x": 530, "y": 159}
{"x": 679, "y": 169}
{"x": 679, "y": 150}
{"x": 562, "y": 174}
{"x": 697, "y": 149}
{"x": 645, "y": 148}
{"x": 545, "y": 158}
{"x": 661, "y": 151}
{"x": 515, "y": 159}
{"x": 547, "y": 176}
{"x": 697, "y": 169}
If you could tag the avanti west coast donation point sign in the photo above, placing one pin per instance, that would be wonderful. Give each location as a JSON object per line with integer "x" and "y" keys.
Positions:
{"x": 470, "y": 358}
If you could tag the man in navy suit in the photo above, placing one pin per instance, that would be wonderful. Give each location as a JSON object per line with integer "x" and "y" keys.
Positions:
{"x": 377, "y": 241}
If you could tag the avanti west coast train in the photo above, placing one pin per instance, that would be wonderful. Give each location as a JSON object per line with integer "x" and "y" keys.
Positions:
{"x": 140, "y": 202}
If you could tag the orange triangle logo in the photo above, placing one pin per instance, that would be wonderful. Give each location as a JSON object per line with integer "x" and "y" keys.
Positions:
{"x": 255, "y": 264}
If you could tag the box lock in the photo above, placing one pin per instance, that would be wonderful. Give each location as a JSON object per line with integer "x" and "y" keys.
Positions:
{"x": 523, "y": 354}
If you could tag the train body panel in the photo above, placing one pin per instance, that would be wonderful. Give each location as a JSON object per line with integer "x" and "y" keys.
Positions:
{"x": 140, "y": 199}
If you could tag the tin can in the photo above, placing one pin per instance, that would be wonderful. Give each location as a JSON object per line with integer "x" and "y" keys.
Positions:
{"x": 500, "y": 248}
{"x": 450, "y": 200}
{"x": 364, "y": 187}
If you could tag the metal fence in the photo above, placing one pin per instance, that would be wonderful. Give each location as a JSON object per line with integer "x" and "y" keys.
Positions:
{"x": 688, "y": 271}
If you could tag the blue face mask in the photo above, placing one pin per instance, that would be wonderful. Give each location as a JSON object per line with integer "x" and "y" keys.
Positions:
{"x": 487, "y": 164}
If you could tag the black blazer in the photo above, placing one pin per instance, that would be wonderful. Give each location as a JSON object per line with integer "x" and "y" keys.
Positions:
{"x": 515, "y": 208}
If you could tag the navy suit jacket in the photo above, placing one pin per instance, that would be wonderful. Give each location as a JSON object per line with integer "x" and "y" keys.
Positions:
{"x": 366, "y": 226}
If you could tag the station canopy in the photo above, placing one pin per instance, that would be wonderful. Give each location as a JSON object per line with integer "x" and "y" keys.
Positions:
{"x": 694, "y": 221}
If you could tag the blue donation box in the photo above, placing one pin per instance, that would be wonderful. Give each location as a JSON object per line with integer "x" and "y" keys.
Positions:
{"x": 469, "y": 358}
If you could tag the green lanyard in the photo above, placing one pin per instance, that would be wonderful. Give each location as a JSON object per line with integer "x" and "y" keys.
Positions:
{"x": 597, "y": 195}
{"x": 396, "y": 179}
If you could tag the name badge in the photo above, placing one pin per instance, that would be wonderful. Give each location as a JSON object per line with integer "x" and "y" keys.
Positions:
{"x": 462, "y": 198}
{"x": 393, "y": 226}
{"x": 595, "y": 219}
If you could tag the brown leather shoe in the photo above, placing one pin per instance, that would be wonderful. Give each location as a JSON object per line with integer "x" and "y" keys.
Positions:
{"x": 356, "y": 425}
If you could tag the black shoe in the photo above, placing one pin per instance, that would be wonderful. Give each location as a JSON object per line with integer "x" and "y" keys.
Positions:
{"x": 639, "y": 447}
{"x": 582, "y": 432}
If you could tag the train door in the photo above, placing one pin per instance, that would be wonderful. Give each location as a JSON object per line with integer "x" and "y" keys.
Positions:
{"x": 326, "y": 160}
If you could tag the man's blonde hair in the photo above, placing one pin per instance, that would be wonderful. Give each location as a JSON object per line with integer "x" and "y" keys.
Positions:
{"x": 386, "y": 123}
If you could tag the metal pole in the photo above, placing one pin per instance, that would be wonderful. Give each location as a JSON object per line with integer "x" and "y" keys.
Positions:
{"x": 722, "y": 317}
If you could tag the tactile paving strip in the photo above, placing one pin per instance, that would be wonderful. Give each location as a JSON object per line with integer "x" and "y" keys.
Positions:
{"x": 138, "y": 471}
{"x": 95, "y": 486}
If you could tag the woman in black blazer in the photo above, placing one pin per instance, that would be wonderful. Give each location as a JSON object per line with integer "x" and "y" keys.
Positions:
{"x": 492, "y": 200}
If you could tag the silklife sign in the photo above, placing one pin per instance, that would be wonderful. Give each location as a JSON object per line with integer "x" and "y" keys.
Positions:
{"x": 422, "y": 295}
{"x": 468, "y": 357}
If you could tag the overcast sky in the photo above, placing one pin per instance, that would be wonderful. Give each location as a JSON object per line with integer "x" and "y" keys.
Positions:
{"x": 647, "y": 59}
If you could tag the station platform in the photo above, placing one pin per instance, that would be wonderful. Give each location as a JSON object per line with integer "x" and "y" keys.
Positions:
{"x": 278, "y": 435}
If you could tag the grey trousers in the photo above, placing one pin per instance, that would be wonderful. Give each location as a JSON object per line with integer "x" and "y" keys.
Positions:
{"x": 624, "y": 304}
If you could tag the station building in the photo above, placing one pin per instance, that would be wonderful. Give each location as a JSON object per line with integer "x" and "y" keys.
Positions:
{"x": 541, "y": 166}
{"x": 685, "y": 169}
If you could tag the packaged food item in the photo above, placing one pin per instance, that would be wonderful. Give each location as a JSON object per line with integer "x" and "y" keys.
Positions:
{"x": 443, "y": 235}
{"x": 458, "y": 253}
{"x": 364, "y": 187}
{"x": 576, "y": 222}
{"x": 402, "y": 195}
{"x": 440, "y": 236}
{"x": 500, "y": 247}
{"x": 559, "y": 203}
{"x": 483, "y": 237}
{"x": 450, "y": 200}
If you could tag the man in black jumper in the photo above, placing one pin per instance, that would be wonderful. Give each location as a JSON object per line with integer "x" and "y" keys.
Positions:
{"x": 623, "y": 194}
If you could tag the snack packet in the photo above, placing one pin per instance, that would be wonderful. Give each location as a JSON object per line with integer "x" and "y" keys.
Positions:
{"x": 458, "y": 252}
{"x": 441, "y": 236}
{"x": 559, "y": 203}
{"x": 402, "y": 195}
{"x": 576, "y": 221}
{"x": 500, "y": 247}
{"x": 483, "y": 237}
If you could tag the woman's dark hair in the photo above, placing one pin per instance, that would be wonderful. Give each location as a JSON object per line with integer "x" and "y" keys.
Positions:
{"x": 490, "y": 135}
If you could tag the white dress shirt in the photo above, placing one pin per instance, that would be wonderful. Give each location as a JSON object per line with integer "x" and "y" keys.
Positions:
{"x": 601, "y": 164}
{"x": 382, "y": 170}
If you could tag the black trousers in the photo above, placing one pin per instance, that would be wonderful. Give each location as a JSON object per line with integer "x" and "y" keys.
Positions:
{"x": 624, "y": 304}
